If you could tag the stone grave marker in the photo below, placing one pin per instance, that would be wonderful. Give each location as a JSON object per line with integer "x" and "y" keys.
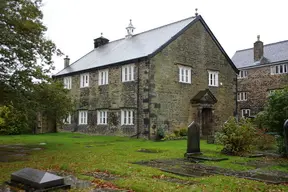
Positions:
{"x": 36, "y": 179}
{"x": 285, "y": 128}
{"x": 193, "y": 140}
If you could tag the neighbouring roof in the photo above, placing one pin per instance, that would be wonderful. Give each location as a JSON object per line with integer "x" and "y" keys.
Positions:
{"x": 274, "y": 52}
{"x": 141, "y": 45}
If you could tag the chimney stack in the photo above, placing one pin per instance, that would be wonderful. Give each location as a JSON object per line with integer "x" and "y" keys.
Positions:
{"x": 66, "y": 61}
{"x": 100, "y": 41}
{"x": 258, "y": 49}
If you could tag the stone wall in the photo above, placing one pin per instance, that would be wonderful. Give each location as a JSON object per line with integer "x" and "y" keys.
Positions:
{"x": 257, "y": 85}
{"x": 112, "y": 97}
{"x": 170, "y": 100}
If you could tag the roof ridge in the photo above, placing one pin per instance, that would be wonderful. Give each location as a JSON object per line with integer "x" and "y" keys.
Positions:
{"x": 269, "y": 44}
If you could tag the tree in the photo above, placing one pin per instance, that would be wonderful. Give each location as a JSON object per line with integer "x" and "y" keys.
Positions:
{"x": 25, "y": 52}
{"x": 26, "y": 58}
{"x": 274, "y": 114}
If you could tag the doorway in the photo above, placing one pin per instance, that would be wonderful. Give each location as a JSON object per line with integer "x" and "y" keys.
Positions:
{"x": 206, "y": 121}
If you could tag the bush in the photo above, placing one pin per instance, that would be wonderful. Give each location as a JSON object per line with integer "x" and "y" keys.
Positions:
{"x": 12, "y": 122}
{"x": 237, "y": 137}
{"x": 263, "y": 140}
{"x": 183, "y": 132}
{"x": 176, "y": 132}
{"x": 172, "y": 136}
{"x": 160, "y": 134}
{"x": 280, "y": 145}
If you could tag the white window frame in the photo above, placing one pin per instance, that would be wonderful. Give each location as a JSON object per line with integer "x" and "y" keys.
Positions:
{"x": 128, "y": 73}
{"x": 102, "y": 118}
{"x": 83, "y": 117}
{"x": 184, "y": 74}
{"x": 103, "y": 77}
{"x": 243, "y": 112}
{"x": 84, "y": 80}
{"x": 279, "y": 69}
{"x": 67, "y": 82}
{"x": 242, "y": 96}
{"x": 243, "y": 74}
{"x": 127, "y": 117}
{"x": 67, "y": 120}
{"x": 213, "y": 78}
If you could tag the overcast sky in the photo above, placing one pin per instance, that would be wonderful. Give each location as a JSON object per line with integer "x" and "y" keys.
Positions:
{"x": 73, "y": 24}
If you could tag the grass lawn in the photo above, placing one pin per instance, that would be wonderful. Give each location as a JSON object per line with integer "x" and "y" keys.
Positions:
{"x": 115, "y": 154}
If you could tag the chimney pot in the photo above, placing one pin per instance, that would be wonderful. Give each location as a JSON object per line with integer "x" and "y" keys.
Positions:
{"x": 66, "y": 61}
{"x": 258, "y": 49}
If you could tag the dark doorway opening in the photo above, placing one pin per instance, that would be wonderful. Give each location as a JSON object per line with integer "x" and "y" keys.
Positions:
{"x": 206, "y": 121}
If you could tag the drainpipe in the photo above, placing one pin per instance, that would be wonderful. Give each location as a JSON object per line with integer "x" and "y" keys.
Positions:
{"x": 236, "y": 102}
{"x": 138, "y": 95}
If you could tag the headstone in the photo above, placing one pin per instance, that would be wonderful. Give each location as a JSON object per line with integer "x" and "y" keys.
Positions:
{"x": 285, "y": 128}
{"x": 36, "y": 179}
{"x": 193, "y": 140}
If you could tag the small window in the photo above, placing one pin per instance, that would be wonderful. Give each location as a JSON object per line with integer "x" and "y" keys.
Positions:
{"x": 245, "y": 112}
{"x": 127, "y": 117}
{"x": 103, "y": 77}
{"x": 84, "y": 80}
{"x": 213, "y": 78}
{"x": 242, "y": 96}
{"x": 279, "y": 69}
{"x": 128, "y": 73}
{"x": 67, "y": 82}
{"x": 184, "y": 74}
{"x": 243, "y": 74}
{"x": 83, "y": 116}
{"x": 67, "y": 120}
{"x": 101, "y": 117}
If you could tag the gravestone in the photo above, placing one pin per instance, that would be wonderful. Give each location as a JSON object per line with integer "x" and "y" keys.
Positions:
{"x": 193, "y": 140}
{"x": 285, "y": 128}
{"x": 37, "y": 179}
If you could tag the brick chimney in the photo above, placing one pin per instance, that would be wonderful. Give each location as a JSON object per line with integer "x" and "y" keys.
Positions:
{"x": 258, "y": 49}
{"x": 66, "y": 61}
{"x": 100, "y": 41}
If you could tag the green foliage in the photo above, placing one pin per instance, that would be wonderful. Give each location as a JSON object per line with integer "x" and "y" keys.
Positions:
{"x": 176, "y": 132}
{"x": 274, "y": 115}
{"x": 237, "y": 137}
{"x": 280, "y": 145}
{"x": 12, "y": 121}
{"x": 160, "y": 134}
{"x": 275, "y": 112}
{"x": 183, "y": 132}
{"x": 263, "y": 140}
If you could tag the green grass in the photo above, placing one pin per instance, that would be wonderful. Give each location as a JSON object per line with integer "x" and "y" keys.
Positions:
{"x": 115, "y": 154}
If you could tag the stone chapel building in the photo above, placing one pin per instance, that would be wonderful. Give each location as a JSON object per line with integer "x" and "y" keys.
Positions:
{"x": 263, "y": 69}
{"x": 167, "y": 76}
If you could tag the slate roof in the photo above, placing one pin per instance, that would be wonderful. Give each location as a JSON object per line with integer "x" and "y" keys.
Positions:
{"x": 141, "y": 45}
{"x": 273, "y": 52}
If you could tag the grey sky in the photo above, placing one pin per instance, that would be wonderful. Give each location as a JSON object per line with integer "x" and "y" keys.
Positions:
{"x": 73, "y": 24}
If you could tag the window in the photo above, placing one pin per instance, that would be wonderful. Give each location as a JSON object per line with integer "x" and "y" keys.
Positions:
{"x": 279, "y": 69}
{"x": 245, "y": 112}
{"x": 67, "y": 82}
{"x": 101, "y": 117}
{"x": 243, "y": 74}
{"x": 184, "y": 74}
{"x": 213, "y": 78}
{"x": 128, "y": 73}
{"x": 103, "y": 77}
{"x": 127, "y": 117}
{"x": 67, "y": 120}
{"x": 242, "y": 96}
{"x": 83, "y": 117}
{"x": 84, "y": 80}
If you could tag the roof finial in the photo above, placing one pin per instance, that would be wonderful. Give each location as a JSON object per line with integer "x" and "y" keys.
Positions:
{"x": 196, "y": 14}
{"x": 130, "y": 29}
{"x": 101, "y": 34}
{"x": 258, "y": 37}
